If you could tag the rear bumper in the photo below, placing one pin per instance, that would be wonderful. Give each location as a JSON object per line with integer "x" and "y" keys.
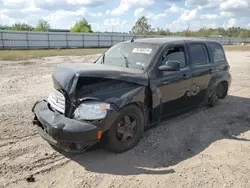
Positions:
{"x": 65, "y": 133}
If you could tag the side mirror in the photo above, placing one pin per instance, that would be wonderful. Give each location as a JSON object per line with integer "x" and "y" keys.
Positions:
{"x": 170, "y": 66}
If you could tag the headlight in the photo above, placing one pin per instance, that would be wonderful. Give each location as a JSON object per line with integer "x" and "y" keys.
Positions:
{"x": 91, "y": 110}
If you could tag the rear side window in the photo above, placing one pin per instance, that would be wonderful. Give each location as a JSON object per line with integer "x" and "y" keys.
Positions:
{"x": 198, "y": 54}
{"x": 217, "y": 52}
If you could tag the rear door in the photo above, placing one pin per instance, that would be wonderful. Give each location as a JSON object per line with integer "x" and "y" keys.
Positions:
{"x": 202, "y": 70}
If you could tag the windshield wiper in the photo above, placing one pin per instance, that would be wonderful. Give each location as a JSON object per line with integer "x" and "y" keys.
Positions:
{"x": 126, "y": 59}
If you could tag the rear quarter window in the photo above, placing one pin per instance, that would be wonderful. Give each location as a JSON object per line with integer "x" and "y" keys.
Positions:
{"x": 217, "y": 52}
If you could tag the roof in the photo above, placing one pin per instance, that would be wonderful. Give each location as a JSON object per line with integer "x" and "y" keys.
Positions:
{"x": 163, "y": 40}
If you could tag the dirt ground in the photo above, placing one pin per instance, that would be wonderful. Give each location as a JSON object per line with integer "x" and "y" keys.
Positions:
{"x": 206, "y": 147}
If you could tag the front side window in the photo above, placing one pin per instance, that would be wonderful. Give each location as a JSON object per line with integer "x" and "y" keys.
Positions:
{"x": 176, "y": 53}
{"x": 217, "y": 52}
{"x": 129, "y": 55}
{"x": 198, "y": 54}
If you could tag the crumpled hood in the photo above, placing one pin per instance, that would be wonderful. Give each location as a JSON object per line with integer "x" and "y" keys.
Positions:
{"x": 66, "y": 75}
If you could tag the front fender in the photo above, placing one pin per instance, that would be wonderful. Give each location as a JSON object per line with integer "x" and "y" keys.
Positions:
{"x": 136, "y": 94}
{"x": 118, "y": 93}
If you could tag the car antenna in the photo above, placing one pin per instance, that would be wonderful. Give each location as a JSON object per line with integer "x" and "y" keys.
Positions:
{"x": 133, "y": 39}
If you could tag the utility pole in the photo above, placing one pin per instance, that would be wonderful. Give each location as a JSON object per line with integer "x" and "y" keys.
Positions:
{"x": 188, "y": 26}
{"x": 201, "y": 24}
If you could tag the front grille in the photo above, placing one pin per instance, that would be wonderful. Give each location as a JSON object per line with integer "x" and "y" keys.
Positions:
{"x": 57, "y": 101}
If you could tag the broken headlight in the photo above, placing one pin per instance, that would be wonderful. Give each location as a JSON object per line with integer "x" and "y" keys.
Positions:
{"x": 91, "y": 110}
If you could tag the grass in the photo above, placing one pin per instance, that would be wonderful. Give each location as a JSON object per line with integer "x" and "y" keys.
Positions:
{"x": 237, "y": 48}
{"x": 14, "y": 55}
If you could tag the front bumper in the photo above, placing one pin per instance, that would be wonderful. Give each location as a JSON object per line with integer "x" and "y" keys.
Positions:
{"x": 65, "y": 133}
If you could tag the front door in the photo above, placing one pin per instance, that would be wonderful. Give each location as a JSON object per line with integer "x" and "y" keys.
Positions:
{"x": 173, "y": 86}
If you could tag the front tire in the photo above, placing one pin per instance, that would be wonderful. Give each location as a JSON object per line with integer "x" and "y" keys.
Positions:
{"x": 127, "y": 129}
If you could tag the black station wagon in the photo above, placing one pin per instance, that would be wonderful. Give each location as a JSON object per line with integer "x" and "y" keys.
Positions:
{"x": 133, "y": 85}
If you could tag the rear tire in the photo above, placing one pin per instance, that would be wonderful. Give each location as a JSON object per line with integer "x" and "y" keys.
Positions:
{"x": 214, "y": 100}
{"x": 219, "y": 93}
{"x": 126, "y": 131}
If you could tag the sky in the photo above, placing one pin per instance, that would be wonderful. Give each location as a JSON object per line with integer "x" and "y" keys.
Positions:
{"x": 121, "y": 15}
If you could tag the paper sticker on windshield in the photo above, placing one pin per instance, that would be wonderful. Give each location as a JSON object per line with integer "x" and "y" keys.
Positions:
{"x": 142, "y": 50}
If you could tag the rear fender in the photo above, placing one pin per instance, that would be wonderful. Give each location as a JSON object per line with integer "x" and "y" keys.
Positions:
{"x": 216, "y": 79}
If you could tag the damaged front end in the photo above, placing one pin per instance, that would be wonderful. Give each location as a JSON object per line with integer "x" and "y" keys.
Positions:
{"x": 65, "y": 133}
{"x": 85, "y": 103}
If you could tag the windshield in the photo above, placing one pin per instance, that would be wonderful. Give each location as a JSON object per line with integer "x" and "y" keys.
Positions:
{"x": 129, "y": 55}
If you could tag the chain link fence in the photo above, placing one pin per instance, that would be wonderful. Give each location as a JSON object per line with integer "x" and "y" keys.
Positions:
{"x": 47, "y": 40}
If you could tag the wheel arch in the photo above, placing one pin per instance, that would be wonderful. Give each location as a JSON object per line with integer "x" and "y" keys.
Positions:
{"x": 145, "y": 105}
{"x": 216, "y": 79}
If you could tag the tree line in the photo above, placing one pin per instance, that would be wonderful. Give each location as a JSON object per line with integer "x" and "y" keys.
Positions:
{"x": 142, "y": 26}
{"x": 41, "y": 26}
{"x": 44, "y": 26}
